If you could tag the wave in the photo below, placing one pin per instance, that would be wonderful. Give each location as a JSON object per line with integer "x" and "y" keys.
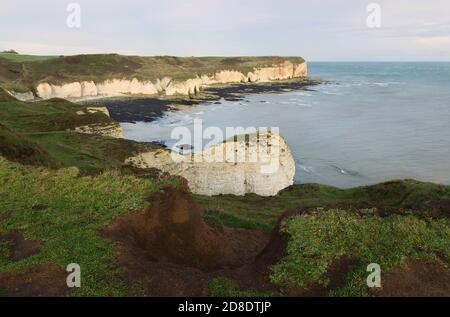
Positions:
{"x": 344, "y": 171}
{"x": 332, "y": 93}
{"x": 307, "y": 169}
{"x": 302, "y": 93}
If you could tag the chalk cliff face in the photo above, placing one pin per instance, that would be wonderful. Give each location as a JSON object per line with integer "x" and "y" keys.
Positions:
{"x": 258, "y": 164}
{"x": 166, "y": 85}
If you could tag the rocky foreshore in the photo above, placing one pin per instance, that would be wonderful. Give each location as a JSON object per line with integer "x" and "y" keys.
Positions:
{"x": 147, "y": 109}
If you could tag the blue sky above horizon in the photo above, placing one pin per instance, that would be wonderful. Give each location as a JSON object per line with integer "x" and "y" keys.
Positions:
{"x": 321, "y": 30}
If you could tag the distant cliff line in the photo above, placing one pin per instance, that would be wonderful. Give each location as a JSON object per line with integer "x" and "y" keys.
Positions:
{"x": 166, "y": 85}
{"x": 90, "y": 76}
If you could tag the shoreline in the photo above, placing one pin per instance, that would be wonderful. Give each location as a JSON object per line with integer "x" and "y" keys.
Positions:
{"x": 147, "y": 109}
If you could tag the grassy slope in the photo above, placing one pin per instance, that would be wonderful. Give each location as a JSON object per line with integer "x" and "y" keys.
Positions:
{"x": 252, "y": 211}
{"x": 24, "y": 72}
{"x": 77, "y": 208}
{"x": 18, "y": 148}
{"x": 318, "y": 239}
{"x": 35, "y": 134}
{"x": 24, "y": 57}
{"x": 348, "y": 224}
{"x": 46, "y": 124}
{"x": 80, "y": 206}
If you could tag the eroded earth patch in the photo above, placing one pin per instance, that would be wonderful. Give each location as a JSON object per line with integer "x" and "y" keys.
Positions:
{"x": 169, "y": 250}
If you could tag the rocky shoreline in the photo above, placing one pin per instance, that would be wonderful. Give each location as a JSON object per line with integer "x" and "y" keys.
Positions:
{"x": 147, "y": 109}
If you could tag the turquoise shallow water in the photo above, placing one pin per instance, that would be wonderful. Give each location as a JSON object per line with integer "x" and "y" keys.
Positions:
{"x": 373, "y": 122}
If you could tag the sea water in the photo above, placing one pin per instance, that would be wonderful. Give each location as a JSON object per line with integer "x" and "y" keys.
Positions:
{"x": 372, "y": 122}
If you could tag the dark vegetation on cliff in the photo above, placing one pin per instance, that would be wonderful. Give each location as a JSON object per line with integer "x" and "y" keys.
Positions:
{"x": 66, "y": 197}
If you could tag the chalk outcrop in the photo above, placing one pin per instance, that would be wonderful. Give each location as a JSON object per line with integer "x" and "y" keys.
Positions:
{"x": 22, "y": 96}
{"x": 111, "y": 129}
{"x": 166, "y": 85}
{"x": 260, "y": 164}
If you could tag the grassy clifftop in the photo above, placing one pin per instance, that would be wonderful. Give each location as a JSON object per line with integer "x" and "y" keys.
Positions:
{"x": 42, "y": 133}
{"x": 23, "y": 72}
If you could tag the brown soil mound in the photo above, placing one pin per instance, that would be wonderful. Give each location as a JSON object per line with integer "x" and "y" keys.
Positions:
{"x": 19, "y": 247}
{"x": 171, "y": 251}
{"x": 173, "y": 230}
{"x": 48, "y": 280}
{"x": 416, "y": 279}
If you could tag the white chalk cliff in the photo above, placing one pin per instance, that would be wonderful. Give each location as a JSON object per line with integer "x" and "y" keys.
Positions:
{"x": 257, "y": 164}
{"x": 167, "y": 86}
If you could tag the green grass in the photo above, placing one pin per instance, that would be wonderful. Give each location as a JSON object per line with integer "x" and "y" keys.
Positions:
{"x": 69, "y": 229}
{"x": 252, "y": 211}
{"x": 19, "y": 148}
{"x": 90, "y": 153}
{"x": 263, "y": 212}
{"x": 47, "y": 128}
{"x": 25, "y": 58}
{"x": 235, "y": 222}
{"x": 316, "y": 240}
{"x": 45, "y": 116}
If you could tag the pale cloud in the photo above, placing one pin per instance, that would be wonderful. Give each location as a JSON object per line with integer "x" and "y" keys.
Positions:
{"x": 435, "y": 42}
{"x": 318, "y": 30}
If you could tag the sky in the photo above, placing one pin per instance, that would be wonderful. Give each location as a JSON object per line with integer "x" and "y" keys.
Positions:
{"x": 319, "y": 30}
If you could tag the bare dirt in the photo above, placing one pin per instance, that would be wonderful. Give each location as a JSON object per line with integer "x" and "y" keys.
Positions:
{"x": 416, "y": 278}
{"x": 39, "y": 207}
{"x": 19, "y": 247}
{"x": 169, "y": 250}
{"x": 40, "y": 281}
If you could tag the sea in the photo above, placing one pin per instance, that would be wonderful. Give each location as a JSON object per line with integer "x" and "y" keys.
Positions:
{"x": 369, "y": 122}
